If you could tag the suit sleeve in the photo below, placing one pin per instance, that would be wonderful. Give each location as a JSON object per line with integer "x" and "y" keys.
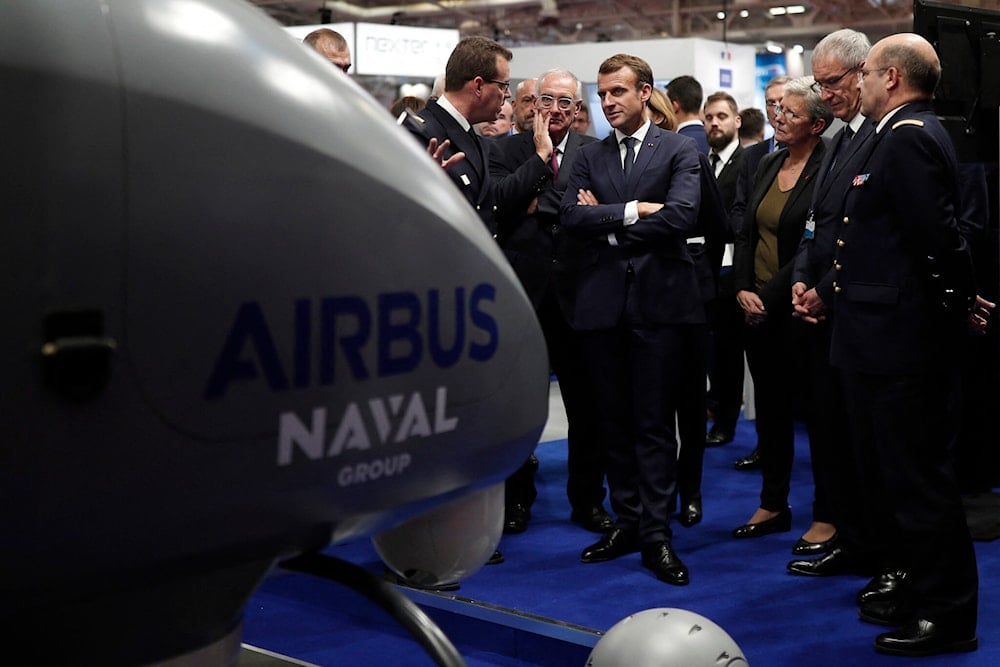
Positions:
{"x": 588, "y": 221}
{"x": 516, "y": 181}
{"x": 679, "y": 215}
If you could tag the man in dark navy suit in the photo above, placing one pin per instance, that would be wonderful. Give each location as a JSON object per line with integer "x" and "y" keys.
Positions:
{"x": 896, "y": 345}
{"x": 634, "y": 199}
{"x": 477, "y": 82}
{"x": 543, "y": 258}
{"x": 685, "y": 95}
{"x": 841, "y": 534}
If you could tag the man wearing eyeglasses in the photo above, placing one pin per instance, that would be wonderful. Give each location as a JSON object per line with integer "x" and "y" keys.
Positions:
{"x": 524, "y": 106}
{"x": 544, "y": 257}
{"x": 477, "y": 83}
{"x": 896, "y": 347}
{"x": 331, "y": 45}
{"x": 851, "y": 547}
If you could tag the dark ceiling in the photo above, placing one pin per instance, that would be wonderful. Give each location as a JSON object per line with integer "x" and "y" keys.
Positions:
{"x": 535, "y": 22}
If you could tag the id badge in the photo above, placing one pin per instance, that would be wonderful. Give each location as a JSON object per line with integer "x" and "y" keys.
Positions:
{"x": 810, "y": 230}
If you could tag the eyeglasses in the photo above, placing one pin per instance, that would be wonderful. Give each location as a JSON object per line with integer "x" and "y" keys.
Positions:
{"x": 504, "y": 85}
{"x": 562, "y": 103}
{"x": 787, "y": 113}
{"x": 865, "y": 72}
{"x": 819, "y": 85}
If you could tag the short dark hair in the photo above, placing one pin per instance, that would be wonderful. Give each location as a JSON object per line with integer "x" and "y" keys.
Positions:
{"x": 472, "y": 57}
{"x": 686, "y": 91}
{"x": 751, "y": 123}
{"x": 643, "y": 72}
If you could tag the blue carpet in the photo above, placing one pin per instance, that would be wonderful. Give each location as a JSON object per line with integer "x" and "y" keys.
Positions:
{"x": 776, "y": 618}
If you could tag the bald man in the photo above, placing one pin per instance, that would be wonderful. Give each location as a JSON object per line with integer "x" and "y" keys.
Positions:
{"x": 331, "y": 45}
{"x": 896, "y": 349}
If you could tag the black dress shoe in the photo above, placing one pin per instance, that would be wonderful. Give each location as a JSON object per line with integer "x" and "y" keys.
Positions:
{"x": 893, "y": 613}
{"x": 888, "y": 585}
{"x": 593, "y": 518}
{"x": 835, "y": 562}
{"x": 717, "y": 437}
{"x": 496, "y": 558}
{"x": 665, "y": 563}
{"x": 690, "y": 513}
{"x": 806, "y": 548}
{"x": 616, "y": 543}
{"x": 748, "y": 462}
{"x": 515, "y": 518}
{"x": 779, "y": 523}
{"x": 919, "y": 638}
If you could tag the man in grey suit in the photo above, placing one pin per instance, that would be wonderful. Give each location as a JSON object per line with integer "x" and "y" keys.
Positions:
{"x": 634, "y": 199}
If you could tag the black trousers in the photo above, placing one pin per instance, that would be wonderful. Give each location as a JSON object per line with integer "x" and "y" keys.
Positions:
{"x": 775, "y": 355}
{"x": 905, "y": 430}
{"x": 637, "y": 372}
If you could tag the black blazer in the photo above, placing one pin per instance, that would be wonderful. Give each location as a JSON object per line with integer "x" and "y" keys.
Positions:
{"x": 777, "y": 293}
{"x": 729, "y": 177}
{"x": 470, "y": 175}
{"x": 536, "y": 246}
{"x": 814, "y": 261}
{"x": 901, "y": 207}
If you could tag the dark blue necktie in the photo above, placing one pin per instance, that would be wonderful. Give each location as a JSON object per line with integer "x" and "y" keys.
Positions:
{"x": 629, "y": 156}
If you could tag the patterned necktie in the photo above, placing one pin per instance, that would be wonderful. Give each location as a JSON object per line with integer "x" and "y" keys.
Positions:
{"x": 554, "y": 163}
{"x": 629, "y": 156}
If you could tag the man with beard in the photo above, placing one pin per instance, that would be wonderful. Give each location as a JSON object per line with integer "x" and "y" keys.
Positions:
{"x": 722, "y": 124}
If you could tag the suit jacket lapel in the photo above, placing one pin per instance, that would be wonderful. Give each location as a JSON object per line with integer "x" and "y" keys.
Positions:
{"x": 613, "y": 164}
{"x": 572, "y": 144}
{"x": 645, "y": 156}
{"x": 460, "y": 140}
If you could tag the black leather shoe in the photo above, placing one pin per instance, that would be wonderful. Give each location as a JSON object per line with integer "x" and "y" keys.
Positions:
{"x": 717, "y": 437}
{"x": 665, "y": 563}
{"x": 835, "y": 562}
{"x": 748, "y": 462}
{"x": 594, "y": 518}
{"x": 615, "y": 543}
{"x": 496, "y": 558}
{"x": 887, "y": 585}
{"x": 779, "y": 523}
{"x": 919, "y": 638}
{"x": 690, "y": 513}
{"x": 893, "y": 613}
{"x": 515, "y": 518}
{"x": 806, "y": 548}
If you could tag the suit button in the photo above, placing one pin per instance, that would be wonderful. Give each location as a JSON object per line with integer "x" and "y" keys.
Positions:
{"x": 840, "y": 243}
{"x": 837, "y": 266}
{"x": 846, "y": 220}
{"x": 836, "y": 290}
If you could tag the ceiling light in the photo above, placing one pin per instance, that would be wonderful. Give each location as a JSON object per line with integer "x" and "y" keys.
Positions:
{"x": 798, "y": 49}
{"x": 777, "y": 11}
{"x": 744, "y": 13}
{"x": 773, "y": 47}
{"x": 721, "y": 16}
{"x": 796, "y": 9}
